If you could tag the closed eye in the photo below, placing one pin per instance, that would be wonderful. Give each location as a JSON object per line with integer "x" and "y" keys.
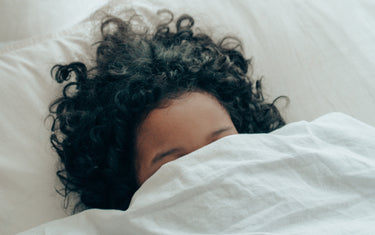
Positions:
{"x": 162, "y": 155}
{"x": 211, "y": 138}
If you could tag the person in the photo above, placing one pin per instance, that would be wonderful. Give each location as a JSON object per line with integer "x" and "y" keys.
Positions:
{"x": 152, "y": 97}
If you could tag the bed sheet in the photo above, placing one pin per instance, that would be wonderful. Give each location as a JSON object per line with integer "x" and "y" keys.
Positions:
{"x": 319, "y": 53}
{"x": 305, "y": 178}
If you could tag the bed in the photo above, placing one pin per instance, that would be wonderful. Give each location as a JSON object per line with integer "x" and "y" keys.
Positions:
{"x": 321, "y": 54}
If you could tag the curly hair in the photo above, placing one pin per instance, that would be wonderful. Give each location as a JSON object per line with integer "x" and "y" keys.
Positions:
{"x": 94, "y": 127}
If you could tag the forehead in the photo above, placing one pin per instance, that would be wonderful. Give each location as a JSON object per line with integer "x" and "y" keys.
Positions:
{"x": 189, "y": 106}
{"x": 181, "y": 116}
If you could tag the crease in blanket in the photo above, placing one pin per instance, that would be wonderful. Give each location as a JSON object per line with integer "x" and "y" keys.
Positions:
{"x": 306, "y": 178}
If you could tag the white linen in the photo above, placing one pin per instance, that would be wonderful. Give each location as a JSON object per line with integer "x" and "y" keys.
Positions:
{"x": 306, "y": 178}
{"x": 319, "y": 53}
{"x": 21, "y": 19}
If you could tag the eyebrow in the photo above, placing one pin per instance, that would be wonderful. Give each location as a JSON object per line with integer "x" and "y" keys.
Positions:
{"x": 161, "y": 155}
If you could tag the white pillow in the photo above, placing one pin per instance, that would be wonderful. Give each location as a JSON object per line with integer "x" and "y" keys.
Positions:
{"x": 24, "y": 18}
{"x": 320, "y": 54}
{"x": 27, "y": 162}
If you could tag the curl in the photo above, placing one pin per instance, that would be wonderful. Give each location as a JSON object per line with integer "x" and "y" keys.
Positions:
{"x": 94, "y": 126}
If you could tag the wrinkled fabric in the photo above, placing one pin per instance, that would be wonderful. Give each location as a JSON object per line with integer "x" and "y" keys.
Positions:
{"x": 321, "y": 54}
{"x": 306, "y": 178}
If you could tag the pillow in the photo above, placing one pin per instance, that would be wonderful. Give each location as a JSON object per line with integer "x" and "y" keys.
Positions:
{"x": 320, "y": 54}
{"x": 28, "y": 18}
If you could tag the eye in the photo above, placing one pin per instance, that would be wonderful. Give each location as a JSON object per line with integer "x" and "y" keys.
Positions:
{"x": 216, "y": 138}
{"x": 181, "y": 155}
{"x": 219, "y": 136}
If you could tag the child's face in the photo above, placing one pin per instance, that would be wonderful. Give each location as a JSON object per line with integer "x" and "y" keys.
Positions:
{"x": 186, "y": 124}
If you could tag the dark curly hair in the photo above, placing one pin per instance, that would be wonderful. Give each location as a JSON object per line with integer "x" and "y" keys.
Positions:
{"x": 94, "y": 126}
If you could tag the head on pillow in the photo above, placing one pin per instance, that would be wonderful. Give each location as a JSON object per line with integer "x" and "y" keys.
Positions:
{"x": 151, "y": 98}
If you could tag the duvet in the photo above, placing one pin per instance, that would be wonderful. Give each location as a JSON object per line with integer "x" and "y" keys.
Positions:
{"x": 306, "y": 178}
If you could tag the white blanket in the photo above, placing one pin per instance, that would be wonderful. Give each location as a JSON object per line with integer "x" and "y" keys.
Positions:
{"x": 305, "y": 178}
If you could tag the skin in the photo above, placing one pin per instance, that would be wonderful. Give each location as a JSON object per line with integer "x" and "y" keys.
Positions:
{"x": 188, "y": 123}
